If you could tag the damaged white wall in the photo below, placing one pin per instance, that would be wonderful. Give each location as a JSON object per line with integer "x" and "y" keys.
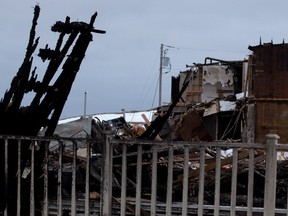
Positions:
{"x": 217, "y": 82}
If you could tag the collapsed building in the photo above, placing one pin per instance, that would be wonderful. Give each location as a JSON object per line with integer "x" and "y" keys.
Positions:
{"x": 235, "y": 100}
{"x": 219, "y": 100}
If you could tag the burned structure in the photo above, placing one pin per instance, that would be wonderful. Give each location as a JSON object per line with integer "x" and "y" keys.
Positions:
{"x": 236, "y": 100}
{"x": 219, "y": 101}
{"x": 207, "y": 109}
{"x": 267, "y": 90}
{"x": 45, "y": 108}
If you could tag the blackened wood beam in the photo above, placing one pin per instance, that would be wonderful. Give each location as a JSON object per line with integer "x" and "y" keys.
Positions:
{"x": 13, "y": 97}
{"x": 156, "y": 125}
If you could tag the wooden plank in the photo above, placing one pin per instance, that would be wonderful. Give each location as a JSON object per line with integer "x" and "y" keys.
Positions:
{"x": 210, "y": 166}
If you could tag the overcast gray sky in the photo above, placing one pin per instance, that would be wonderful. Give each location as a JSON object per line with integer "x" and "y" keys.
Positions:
{"x": 121, "y": 67}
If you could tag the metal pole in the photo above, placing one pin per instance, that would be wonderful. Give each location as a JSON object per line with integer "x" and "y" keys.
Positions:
{"x": 124, "y": 112}
{"x": 217, "y": 181}
{"x": 185, "y": 181}
{"x": 59, "y": 186}
{"x": 32, "y": 191}
{"x": 154, "y": 180}
{"x": 270, "y": 174}
{"x": 169, "y": 182}
{"x": 6, "y": 175}
{"x": 234, "y": 182}
{"x": 45, "y": 205}
{"x": 160, "y": 76}
{"x": 73, "y": 189}
{"x": 106, "y": 178}
{"x": 201, "y": 181}
{"x": 87, "y": 181}
{"x": 85, "y": 103}
{"x": 250, "y": 183}
{"x": 123, "y": 180}
{"x": 138, "y": 181}
{"x": 19, "y": 180}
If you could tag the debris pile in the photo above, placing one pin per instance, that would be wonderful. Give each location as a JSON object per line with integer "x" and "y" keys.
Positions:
{"x": 215, "y": 102}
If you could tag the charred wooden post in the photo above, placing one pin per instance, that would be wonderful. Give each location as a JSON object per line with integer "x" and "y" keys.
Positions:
{"x": 156, "y": 125}
{"x": 45, "y": 108}
{"x": 13, "y": 97}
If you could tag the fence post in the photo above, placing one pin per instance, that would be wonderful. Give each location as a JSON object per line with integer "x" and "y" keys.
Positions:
{"x": 106, "y": 178}
{"x": 270, "y": 174}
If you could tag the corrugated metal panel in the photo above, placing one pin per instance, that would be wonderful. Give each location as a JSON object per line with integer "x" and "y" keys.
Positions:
{"x": 271, "y": 117}
{"x": 191, "y": 127}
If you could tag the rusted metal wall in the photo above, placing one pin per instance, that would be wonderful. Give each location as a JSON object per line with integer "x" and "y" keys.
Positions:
{"x": 269, "y": 75}
{"x": 271, "y": 117}
{"x": 270, "y": 71}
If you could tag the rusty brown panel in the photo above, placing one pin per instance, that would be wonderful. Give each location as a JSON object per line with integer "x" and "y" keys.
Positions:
{"x": 271, "y": 117}
{"x": 192, "y": 128}
{"x": 270, "y": 71}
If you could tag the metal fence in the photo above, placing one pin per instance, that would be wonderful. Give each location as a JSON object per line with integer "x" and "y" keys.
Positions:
{"x": 125, "y": 187}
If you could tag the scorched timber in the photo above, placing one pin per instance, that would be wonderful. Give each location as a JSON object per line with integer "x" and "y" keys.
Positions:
{"x": 45, "y": 108}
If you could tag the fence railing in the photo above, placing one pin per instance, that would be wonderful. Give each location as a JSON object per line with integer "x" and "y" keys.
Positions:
{"x": 26, "y": 165}
{"x": 48, "y": 176}
{"x": 239, "y": 151}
